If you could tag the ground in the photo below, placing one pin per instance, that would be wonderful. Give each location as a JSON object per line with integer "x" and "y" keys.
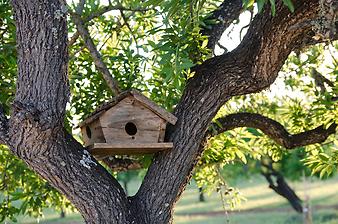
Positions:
{"x": 263, "y": 206}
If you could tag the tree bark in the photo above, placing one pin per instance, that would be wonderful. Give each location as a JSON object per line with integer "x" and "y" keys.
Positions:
{"x": 36, "y": 125}
{"x": 201, "y": 195}
{"x": 35, "y": 131}
{"x": 251, "y": 67}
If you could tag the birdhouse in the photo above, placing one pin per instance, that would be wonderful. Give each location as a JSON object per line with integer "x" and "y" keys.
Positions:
{"x": 128, "y": 124}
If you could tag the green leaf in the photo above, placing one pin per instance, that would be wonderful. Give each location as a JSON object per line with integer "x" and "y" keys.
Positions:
{"x": 248, "y": 3}
{"x": 152, "y": 2}
{"x": 273, "y": 7}
{"x": 241, "y": 156}
{"x": 260, "y": 5}
{"x": 289, "y": 4}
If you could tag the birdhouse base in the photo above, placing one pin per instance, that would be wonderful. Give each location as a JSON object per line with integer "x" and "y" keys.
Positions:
{"x": 102, "y": 150}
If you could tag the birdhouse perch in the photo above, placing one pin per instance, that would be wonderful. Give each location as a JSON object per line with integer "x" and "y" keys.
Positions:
{"x": 128, "y": 124}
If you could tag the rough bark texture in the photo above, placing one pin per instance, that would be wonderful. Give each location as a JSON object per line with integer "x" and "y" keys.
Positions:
{"x": 36, "y": 125}
{"x": 251, "y": 67}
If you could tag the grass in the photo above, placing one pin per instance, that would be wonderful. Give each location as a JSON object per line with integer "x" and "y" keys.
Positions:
{"x": 262, "y": 206}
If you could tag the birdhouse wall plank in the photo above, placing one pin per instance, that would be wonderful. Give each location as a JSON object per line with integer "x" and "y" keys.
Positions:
{"x": 130, "y": 121}
{"x": 92, "y": 133}
{"x": 163, "y": 125}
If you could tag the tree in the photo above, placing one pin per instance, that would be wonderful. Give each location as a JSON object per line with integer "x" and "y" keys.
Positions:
{"x": 36, "y": 132}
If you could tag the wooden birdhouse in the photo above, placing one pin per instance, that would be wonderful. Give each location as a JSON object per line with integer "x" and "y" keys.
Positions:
{"x": 128, "y": 124}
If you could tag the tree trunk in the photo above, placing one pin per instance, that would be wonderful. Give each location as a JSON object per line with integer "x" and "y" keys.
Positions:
{"x": 62, "y": 213}
{"x": 280, "y": 186}
{"x": 35, "y": 131}
{"x": 201, "y": 195}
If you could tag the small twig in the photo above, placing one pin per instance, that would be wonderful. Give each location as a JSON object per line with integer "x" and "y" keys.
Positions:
{"x": 114, "y": 7}
{"x": 80, "y": 7}
{"x": 100, "y": 12}
{"x": 222, "y": 47}
{"x": 97, "y": 58}
{"x": 246, "y": 26}
{"x": 73, "y": 38}
{"x": 125, "y": 19}
{"x": 77, "y": 51}
{"x": 218, "y": 171}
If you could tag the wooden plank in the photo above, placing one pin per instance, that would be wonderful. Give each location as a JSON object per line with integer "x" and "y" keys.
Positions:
{"x": 139, "y": 97}
{"x": 91, "y": 119}
{"x": 130, "y": 110}
{"x": 102, "y": 150}
{"x": 154, "y": 107}
{"x": 96, "y": 133}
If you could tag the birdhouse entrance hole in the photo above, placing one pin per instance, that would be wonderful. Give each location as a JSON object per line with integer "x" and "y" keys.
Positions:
{"x": 88, "y": 132}
{"x": 130, "y": 128}
{"x": 129, "y": 124}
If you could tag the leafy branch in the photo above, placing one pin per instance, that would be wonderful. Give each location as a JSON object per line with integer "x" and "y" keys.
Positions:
{"x": 99, "y": 13}
{"x": 97, "y": 58}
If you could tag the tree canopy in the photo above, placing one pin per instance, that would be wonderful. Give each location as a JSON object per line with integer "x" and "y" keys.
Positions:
{"x": 274, "y": 93}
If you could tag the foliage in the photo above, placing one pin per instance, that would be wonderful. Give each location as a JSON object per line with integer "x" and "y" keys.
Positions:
{"x": 154, "y": 51}
{"x": 299, "y": 104}
{"x": 261, "y": 3}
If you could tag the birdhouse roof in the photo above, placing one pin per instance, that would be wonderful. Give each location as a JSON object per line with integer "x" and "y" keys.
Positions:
{"x": 137, "y": 96}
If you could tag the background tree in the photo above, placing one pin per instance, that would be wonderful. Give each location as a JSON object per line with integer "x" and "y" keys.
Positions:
{"x": 166, "y": 44}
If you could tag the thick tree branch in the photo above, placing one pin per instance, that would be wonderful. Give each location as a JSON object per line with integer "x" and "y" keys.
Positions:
{"x": 227, "y": 12}
{"x": 36, "y": 129}
{"x": 3, "y": 127}
{"x": 100, "y": 65}
{"x": 273, "y": 129}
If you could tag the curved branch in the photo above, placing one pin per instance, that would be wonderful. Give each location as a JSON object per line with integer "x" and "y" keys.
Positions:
{"x": 273, "y": 129}
{"x": 99, "y": 64}
{"x": 3, "y": 127}
{"x": 227, "y": 12}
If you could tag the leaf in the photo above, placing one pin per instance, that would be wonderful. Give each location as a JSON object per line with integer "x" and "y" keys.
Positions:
{"x": 273, "y": 7}
{"x": 327, "y": 170}
{"x": 241, "y": 156}
{"x": 260, "y": 5}
{"x": 248, "y": 3}
{"x": 289, "y": 4}
{"x": 152, "y": 2}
